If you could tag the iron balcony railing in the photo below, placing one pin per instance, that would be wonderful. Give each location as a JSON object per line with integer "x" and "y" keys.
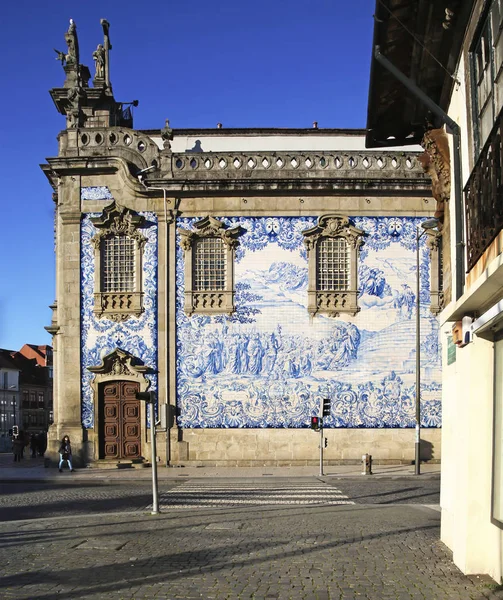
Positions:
{"x": 484, "y": 196}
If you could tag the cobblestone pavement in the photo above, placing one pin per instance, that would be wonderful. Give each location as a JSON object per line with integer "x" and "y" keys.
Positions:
{"x": 312, "y": 552}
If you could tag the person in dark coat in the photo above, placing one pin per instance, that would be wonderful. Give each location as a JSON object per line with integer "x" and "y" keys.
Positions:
{"x": 41, "y": 443}
{"x": 17, "y": 448}
{"x": 65, "y": 453}
{"x": 33, "y": 445}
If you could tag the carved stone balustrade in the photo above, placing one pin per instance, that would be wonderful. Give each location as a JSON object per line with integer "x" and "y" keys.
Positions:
{"x": 118, "y": 306}
{"x": 396, "y": 171}
{"x": 373, "y": 164}
{"x": 135, "y": 148}
{"x": 285, "y": 170}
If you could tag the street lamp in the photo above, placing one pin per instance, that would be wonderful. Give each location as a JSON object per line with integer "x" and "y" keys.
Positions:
{"x": 425, "y": 225}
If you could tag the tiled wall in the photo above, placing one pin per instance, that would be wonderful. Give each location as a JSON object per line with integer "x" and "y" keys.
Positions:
{"x": 269, "y": 364}
{"x": 100, "y": 337}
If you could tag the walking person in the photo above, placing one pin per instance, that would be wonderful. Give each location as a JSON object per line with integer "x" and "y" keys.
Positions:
{"x": 65, "y": 453}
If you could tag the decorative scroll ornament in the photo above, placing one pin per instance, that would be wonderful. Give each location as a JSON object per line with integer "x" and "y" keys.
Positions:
{"x": 333, "y": 226}
{"x": 120, "y": 362}
{"x": 210, "y": 227}
{"x": 118, "y": 220}
{"x": 436, "y": 163}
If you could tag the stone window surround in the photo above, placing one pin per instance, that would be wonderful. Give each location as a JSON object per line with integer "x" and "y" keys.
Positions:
{"x": 119, "y": 365}
{"x": 332, "y": 303}
{"x": 117, "y": 220}
{"x": 209, "y": 302}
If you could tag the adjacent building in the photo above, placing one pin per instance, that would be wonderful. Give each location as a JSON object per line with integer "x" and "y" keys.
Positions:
{"x": 436, "y": 65}
{"x": 25, "y": 392}
{"x": 9, "y": 398}
{"x": 35, "y": 388}
{"x": 243, "y": 275}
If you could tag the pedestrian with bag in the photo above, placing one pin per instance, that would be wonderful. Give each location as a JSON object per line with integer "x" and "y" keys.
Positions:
{"x": 65, "y": 453}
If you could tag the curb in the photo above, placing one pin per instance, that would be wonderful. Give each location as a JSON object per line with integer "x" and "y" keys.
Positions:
{"x": 106, "y": 480}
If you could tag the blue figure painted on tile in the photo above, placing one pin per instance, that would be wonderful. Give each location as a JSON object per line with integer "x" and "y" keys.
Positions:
{"x": 269, "y": 363}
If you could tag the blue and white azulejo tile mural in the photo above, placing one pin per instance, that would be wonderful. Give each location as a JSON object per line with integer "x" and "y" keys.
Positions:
{"x": 270, "y": 363}
{"x": 99, "y": 337}
{"x": 98, "y": 192}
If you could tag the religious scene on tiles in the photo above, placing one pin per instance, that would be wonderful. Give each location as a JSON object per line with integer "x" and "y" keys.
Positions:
{"x": 270, "y": 363}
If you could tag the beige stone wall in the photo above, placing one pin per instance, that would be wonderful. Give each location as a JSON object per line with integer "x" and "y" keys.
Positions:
{"x": 268, "y": 447}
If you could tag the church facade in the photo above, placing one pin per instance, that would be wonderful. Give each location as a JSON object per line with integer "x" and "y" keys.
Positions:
{"x": 243, "y": 276}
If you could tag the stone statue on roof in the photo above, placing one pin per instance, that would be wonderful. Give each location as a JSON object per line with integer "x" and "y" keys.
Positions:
{"x": 71, "y": 58}
{"x": 99, "y": 58}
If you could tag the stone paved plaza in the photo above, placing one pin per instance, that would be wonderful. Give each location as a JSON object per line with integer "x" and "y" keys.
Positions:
{"x": 233, "y": 551}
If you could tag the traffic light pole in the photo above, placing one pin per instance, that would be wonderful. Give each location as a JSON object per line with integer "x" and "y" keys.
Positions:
{"x": 149, "y": 398}
{"x": 155, "y": 492}
{"x": 321, "y": 445}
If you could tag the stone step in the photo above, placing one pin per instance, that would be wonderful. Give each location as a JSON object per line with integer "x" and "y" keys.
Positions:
{"x": 136, "y": 463}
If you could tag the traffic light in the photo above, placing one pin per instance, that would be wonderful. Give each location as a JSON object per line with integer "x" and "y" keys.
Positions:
{"x": 315, "y": 423}
{"x": 15, "y": 430}
{"x": 326, "y": 407}
{"x": 145, "y": 396}
{"x": 10, "y": 432}
{"x": 326, "y": 442}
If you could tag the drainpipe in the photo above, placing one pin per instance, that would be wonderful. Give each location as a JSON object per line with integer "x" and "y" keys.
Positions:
{"x": 455, "y": 130}
{"x": 166, "y": 292}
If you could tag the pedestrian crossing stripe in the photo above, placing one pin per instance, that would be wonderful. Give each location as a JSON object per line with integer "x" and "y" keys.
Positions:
{"x": 197, "y": 495}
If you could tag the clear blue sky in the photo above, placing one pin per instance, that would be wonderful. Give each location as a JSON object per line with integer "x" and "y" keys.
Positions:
{"x": 264, "y": 63}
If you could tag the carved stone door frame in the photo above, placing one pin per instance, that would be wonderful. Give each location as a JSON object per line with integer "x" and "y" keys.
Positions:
{"x": 119, "y": 365}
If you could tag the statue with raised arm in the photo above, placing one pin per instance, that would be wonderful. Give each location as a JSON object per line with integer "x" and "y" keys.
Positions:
{"x": 60, "y": 56}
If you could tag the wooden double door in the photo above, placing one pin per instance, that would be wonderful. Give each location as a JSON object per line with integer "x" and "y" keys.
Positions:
{"x": 120, "y": 435}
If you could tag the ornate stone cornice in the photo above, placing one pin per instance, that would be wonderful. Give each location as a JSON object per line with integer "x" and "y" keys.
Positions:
{"x": 333, "y": 226}
{"x": 210, "y": 227}
{"x": 120, "y": 363}
{"x": 118, "y": 220}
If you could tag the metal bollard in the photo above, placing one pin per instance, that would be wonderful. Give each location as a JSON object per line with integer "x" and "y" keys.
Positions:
{"x": 367, "y": 464}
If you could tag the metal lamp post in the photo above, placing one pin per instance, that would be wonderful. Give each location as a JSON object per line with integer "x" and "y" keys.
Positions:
{"x": 425, "y": 225}
{"x": 149, "y": 398}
